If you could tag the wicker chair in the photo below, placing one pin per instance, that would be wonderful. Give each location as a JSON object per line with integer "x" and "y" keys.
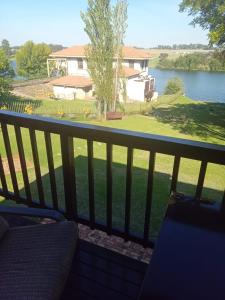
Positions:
{"x": 35, "y": 260}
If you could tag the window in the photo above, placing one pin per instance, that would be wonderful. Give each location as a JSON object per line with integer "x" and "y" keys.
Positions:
{"x": 80, "y": 63}
{"x": 131, "y": 64}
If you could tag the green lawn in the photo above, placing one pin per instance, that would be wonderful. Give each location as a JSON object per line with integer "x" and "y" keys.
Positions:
{"x": 171, "y": 116}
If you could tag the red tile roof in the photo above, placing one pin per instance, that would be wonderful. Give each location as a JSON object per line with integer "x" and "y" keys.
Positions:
{"x": 79, "y": 51}
{"x": 128, "y": 72}
{"x": 81, "y": 81}
{"x": 72, "y": 81}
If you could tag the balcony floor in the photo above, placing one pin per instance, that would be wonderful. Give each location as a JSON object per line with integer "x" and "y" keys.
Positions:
{"x": 98, "y": 273}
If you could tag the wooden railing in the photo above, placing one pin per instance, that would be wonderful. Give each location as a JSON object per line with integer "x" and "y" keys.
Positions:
{"x": 67, "y": 131}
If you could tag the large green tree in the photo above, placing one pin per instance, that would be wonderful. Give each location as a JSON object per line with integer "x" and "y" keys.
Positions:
{"x": 6, "y": 47}
{"x": 31, "y": 60}
{"x": 100, "y": 52}
{"x": 119, "y": 27}
{"x": 6, "y": 72}
{"x": 105, "y": 26}
{"x": 210, "y": 15}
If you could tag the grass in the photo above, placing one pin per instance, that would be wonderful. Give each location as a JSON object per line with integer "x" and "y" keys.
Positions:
{"x": 171, "y": 116}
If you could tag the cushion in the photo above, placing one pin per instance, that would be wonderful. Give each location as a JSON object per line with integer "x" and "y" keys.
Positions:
{"x": 35, "y": 260}
{"x": 4, "y": 226}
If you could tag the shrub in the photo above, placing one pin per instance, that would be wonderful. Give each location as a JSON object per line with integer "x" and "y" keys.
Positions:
{"x": 174, "y": 86}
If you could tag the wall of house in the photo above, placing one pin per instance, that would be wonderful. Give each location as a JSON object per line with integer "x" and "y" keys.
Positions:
{"x": 71, "y": 93}
{"x": 74, "y": 70}
{"x": 135, "y": 90}
{"x": 139, "y": 65}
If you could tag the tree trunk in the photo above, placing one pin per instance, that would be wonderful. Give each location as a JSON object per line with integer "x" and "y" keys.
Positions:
{"x": 105, "y": 109}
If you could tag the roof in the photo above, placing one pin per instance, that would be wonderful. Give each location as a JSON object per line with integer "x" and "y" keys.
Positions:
{"x": 72, "y": 81}
{"x": 81, "y": 81}
{"x": 79, "y": 51}
{"x": 128, "y": 72}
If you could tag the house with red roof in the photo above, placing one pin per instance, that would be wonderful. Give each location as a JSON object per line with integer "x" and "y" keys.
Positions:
{"x": 69, "y": 66}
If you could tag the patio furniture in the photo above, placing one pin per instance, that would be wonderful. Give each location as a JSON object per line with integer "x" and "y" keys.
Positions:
{"x": 188, "y": 262}
{"x": 35, "y": 260}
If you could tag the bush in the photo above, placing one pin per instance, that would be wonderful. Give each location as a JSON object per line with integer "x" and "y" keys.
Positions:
{"x": 174, "y": 86}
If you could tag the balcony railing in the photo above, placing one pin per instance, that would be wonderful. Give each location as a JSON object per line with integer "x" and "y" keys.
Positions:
{"x": 67, "y": 132}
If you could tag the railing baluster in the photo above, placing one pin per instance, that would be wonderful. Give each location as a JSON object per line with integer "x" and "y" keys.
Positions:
{"x": 23, "y": 163}
{"x": 37, "y": 167}
{"x": 128, "y": 192}
{"x": 223, "y": 203}
{"x": 69, "y": 178}
{"x": 201, "y": 179}
{"x": 91, "y": 183}
{"x": 109, "y": 188}
{"x": 148, "y": 208}
{"x": 10, "y": 160}
{"x": 3, "y": 179}
{"x": 175, "y": 174}
{"x": 48, "y": 144}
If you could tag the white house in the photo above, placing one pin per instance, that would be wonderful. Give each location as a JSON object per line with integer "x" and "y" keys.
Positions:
{"x": 76, "y": 83}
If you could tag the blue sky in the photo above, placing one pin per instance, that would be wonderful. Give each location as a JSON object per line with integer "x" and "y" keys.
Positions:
{"x": 150, "y": 22}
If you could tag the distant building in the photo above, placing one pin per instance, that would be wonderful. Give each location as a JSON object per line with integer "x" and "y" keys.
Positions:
{"x": 75, "y": 81}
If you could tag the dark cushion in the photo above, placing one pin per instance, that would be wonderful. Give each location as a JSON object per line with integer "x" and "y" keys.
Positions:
{"x": 4, "y": 226}
{"x": 35, "y": 260}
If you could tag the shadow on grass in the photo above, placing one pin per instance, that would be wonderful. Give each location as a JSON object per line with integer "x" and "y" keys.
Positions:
{"x": 161, "y": 193}
{"x": 201, "y": 119}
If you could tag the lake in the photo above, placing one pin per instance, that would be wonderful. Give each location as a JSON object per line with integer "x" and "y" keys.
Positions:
{"x": 206, "y": 86}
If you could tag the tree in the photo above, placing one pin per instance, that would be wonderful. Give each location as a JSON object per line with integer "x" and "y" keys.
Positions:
{"x": 209, "y": 15}
{"x": 6, "y": 47}
{"x": 174, "y": 86}
{"x": 120, "y": 26}
{"x": 105, "y": 26}
{"x": 6, "y": 72}
{"x": 31, "y": 60}
{"x": 100, "y": 53}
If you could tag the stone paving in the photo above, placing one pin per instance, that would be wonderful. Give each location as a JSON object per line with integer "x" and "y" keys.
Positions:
{"x": 114, "y": 243}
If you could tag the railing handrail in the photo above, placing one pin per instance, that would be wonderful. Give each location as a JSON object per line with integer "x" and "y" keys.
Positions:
{"x": 130, "y": 140}
{"x": 202, "y": 151}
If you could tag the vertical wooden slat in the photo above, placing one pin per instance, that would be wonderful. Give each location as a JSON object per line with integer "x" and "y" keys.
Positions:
{"x": 37, "y": 167}
{"x": 109, "y": 188}
{"x": 48, "y": 144}
{"x": 10, "y": 160}
{"x": 223, "y": 203}
{"x": 69, "y": 179}
{"x": 149, "y": 195}
{"x": 91, "y": 183}
{"x": 201, "y": 179}
{"x": 175, "y": 174}
{"x": 128, "y": 192}
{"x": 2, "y": 177}
{"x": 23, "y": 163}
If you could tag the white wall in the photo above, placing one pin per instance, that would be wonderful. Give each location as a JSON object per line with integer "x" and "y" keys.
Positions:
{"x": 136, "y": 90}
{"x": 138, "y": 65}
{"x": 69, "y": 93}
{"x": 73, "y": 68}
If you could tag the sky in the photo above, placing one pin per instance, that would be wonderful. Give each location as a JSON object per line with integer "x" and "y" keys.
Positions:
{"x": 150, "y": 23}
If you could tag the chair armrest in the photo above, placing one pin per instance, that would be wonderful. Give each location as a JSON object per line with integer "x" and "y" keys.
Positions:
{"x": 32, "y": 212}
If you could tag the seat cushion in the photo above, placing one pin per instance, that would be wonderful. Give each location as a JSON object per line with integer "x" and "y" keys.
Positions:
{"x": 35, "y": 260}
{"x": 4, "y": 227}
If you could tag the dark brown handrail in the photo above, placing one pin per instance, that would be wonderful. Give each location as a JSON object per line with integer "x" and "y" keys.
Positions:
{"x": 160, "y": 144}
{"x": 67, "y": 131}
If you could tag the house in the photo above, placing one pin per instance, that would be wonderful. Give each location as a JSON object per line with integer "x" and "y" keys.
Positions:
{"x": 72, "y": 64}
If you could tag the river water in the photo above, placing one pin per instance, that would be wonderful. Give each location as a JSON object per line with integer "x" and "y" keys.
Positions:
{"x": 206, "y": 86}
